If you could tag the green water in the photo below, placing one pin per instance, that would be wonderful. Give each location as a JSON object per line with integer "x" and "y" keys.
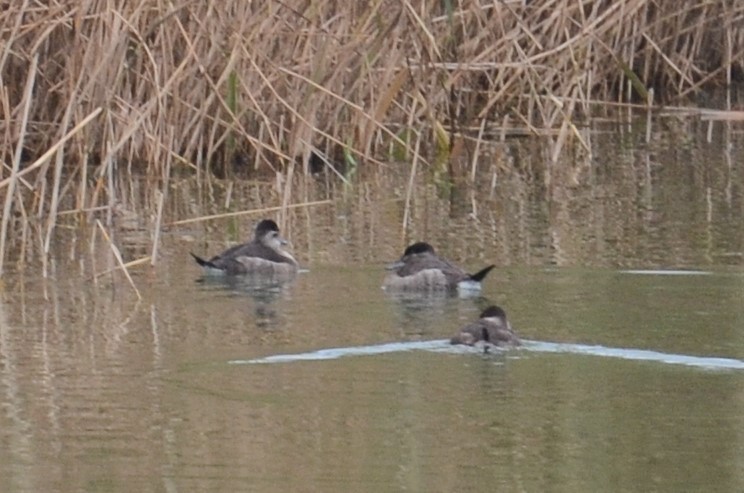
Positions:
{"x": 100, "y": 391}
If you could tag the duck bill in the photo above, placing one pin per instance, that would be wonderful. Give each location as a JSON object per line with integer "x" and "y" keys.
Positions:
{"x": 395, "y": 265}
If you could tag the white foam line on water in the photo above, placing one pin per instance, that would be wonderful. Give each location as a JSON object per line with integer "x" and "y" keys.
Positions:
{"x": 710, "y": 363}
{"x": 668, "y": 272}
{"x": 442, "y": 345}
{"x": 335, "y": 353}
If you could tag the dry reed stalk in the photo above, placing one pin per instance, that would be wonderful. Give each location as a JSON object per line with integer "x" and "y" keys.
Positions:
{"x": 124, "y": 267}
{"x": 119, "y": 259}
{"x": 249, "y": 212}
{"x": 161, "y": 197}
{"x": 409, "y": 189}
{"x": 158, "y": 221}
{"x": 49, "y": 152}
{"x": 80, "y": 210}
{"x": 476, "y": 152}
{"x": 286, "y": 195}
{"x": 721, "y": 115}
{"x": 348, "y": 103}
{"x": 57, "y": 181}
{"x": 218, "y": 86}
{"x": 14, "y": 173}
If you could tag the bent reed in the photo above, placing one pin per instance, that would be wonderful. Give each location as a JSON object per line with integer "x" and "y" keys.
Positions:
{"x": 93, "y": 88}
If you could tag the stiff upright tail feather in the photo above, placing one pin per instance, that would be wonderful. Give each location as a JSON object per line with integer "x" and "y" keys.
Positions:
{"x": 486, "y": 338}
{"x": 481, "y": 274}
{"x": 203, "y": 262}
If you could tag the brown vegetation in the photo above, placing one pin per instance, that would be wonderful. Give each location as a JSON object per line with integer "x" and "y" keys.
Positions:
{"x": 93, "y": 88}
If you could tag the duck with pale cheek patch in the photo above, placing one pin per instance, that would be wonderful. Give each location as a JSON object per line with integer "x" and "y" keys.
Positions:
{"x": 421, "y": 269}
{"x": 492, "y": 328}
{"x": 263, "y": 255}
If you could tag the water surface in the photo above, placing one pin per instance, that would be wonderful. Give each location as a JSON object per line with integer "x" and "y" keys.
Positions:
{"x": 623, "y": 271}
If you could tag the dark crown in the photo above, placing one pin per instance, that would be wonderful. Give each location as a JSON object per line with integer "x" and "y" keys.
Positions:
{"x": 420, "y": 247}
{"x": 266, "y": 226}
{"x": 493, "y": 311}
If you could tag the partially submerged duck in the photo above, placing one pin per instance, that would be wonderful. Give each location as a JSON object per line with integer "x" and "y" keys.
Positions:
{"x": 263, "y": 255}
{"x": 492, "y": 327}
{"x": 421, "y": 269}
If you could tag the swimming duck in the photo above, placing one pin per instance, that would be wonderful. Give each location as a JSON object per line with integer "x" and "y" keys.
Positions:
{"x": 492, "y": 327}
{"x": 421, "y": 269}
{"x": 264, "y": 255}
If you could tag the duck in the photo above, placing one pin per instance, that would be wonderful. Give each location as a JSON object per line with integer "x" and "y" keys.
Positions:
{"x": 263, "y": 255}
{"x": 492, "y": 328}
{"x": 421, "y": 269}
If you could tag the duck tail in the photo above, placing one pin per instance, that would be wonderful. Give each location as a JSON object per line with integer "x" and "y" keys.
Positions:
{"x": 203, "y": 262}
{"x": 485, "y": 335}
{"x": 481, "y": 274}
{"x": 486, "y": 338}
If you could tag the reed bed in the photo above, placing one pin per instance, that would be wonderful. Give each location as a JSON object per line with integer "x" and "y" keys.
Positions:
{"x": 99, "y": 89}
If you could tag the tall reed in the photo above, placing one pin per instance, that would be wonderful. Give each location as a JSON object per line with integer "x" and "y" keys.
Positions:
{"x": 166, "y": 87}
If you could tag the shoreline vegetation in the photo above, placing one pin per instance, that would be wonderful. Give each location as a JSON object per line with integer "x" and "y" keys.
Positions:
{"x": 98, "y": 92}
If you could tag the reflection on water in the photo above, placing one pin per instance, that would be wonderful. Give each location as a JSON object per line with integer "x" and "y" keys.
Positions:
{"x": 264, "y": 292}
{"x": 416, "y": 313}
{"x": 634, "y": 246}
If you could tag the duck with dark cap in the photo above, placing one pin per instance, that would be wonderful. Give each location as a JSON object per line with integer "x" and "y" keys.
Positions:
{"x": 421, "y": 269}
{"x": 263, "y": 255}
{"x": 492, "y": 328}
